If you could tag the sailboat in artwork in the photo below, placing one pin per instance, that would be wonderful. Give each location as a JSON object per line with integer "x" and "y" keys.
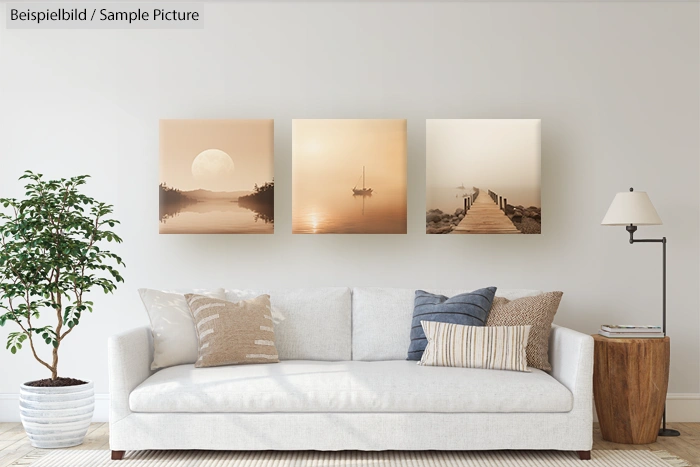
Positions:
{"x": 364, "y": 191}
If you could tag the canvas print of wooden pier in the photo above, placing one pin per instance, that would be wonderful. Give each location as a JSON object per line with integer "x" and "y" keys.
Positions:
{"x": 349, "y": 176}
{"x": 483, "y": 176}
{"x": 216, "y": 177}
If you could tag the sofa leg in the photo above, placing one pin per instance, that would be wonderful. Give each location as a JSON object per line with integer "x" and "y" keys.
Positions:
{"x": 117, "y": 455}
{"x": 584, "y": 455}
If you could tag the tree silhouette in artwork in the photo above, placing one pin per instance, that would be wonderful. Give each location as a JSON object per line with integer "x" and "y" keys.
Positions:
{"x": 172, "y": 201}
{"x": 261, "y": 201}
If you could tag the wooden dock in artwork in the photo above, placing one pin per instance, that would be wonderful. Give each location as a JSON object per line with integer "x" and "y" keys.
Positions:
{"x": 485, "y": 216}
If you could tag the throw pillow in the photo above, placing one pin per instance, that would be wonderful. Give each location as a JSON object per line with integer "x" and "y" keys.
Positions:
{"x": 174, "y": 338}
{"x": 538, "y": 312}
{"x": 233, "y": 333}
{"x": 469, "y": 309}
{"x": 491, "y": 348}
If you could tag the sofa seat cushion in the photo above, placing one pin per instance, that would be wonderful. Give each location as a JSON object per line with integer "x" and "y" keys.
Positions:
{"x": 349, "y": 386}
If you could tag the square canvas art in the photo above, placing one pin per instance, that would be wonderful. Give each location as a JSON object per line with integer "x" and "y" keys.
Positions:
{"x": 483, "y": 177}
{"x": 216, "y": 176}
{"x": 349, "y": 176}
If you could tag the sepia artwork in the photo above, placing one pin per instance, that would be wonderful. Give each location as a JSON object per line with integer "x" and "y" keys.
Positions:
{"x": 349, "y": 176}
{"x": 483, "y": 177}
{"x": 216, "y": 176}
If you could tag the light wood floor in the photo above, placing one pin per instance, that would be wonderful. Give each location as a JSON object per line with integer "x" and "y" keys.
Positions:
{"x": 14, "y": 444}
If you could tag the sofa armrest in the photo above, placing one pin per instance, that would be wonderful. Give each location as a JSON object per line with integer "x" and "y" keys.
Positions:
{"x": 571, "y": 356}
{"x": 129, "y": 359}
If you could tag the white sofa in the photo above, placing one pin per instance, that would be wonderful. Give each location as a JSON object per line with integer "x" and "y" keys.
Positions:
{"x": 344, "y": 384}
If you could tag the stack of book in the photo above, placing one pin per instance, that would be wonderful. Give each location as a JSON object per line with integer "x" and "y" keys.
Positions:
{"x": 629, "y": 331}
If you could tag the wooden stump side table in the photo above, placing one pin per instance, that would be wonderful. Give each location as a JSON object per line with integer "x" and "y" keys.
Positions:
{"x": 630, "y": 379}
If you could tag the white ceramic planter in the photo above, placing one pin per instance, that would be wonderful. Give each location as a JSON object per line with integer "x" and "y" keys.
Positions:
{"x": 56, "y": 417}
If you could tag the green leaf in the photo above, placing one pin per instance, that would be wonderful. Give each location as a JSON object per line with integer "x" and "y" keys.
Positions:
{"x": 52, "y": 244}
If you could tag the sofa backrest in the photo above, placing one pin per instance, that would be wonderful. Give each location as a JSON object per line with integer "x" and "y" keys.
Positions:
{"x": 335, "y": 323}
{"x": 381, "y": 319}
{"x": 310, "y": 324}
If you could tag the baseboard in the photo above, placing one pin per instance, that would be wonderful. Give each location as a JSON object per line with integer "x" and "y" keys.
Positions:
{"x": 681, "y": 407}
{"x": 9, "y": 408}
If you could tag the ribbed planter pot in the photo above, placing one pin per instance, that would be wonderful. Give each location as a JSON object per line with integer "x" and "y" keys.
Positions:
{"x": 56, "y": 417}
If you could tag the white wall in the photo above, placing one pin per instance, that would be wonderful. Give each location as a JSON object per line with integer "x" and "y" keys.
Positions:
{"x": 615, "y": 84}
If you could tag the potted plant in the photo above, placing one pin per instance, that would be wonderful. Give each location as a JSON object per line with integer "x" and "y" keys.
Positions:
{"x": 51, "y": 256}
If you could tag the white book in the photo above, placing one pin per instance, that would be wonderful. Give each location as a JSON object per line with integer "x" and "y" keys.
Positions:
{"x": 629, "y": 328}
{"x": 631, "y": 335}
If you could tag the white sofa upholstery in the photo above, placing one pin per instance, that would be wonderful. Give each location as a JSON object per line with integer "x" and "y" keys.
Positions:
{"x": 366, "y": 403}
{"x": 310, "y": 324}
{"x": 347, "y": 387}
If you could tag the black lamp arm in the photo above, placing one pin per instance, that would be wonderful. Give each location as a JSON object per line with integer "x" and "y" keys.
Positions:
{"x": 633, "y": 228}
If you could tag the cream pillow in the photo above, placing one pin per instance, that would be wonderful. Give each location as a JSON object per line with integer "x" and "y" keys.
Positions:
{"x": 233, "y": 333}
{"x": 492, "y": 348}
{"x": 174, "y": 337}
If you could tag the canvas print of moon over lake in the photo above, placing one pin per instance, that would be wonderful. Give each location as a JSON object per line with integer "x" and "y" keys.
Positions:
{"x": 483, "y": 176}
{"x": 349, "y": 176}
{"x": 216, "y": 177}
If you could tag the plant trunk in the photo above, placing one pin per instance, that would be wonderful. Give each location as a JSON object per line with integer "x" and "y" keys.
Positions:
{"x": 54, "y": 366}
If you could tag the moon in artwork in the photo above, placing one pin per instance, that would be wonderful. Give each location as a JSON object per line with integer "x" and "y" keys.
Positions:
{"x": 212, "y": 168}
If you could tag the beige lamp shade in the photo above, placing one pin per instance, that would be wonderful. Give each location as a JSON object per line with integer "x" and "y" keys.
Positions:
{"x": 631, "y": 207}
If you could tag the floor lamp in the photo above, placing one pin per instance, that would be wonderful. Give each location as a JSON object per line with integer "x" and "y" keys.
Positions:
{"x": 633, "y": 208}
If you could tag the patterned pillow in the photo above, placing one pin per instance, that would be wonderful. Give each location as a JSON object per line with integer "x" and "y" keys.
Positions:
{"x": 538, "y": 312}
{"x": 469, "y": 309}
{"x": 233, "y": 333}
{"x": 491, "y": 348}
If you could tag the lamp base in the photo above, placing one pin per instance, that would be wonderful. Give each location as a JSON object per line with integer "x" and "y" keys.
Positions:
{"x": 669, "y": 432}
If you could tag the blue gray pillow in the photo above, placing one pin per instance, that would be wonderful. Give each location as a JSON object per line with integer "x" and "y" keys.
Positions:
{"x": 467, "y": 309}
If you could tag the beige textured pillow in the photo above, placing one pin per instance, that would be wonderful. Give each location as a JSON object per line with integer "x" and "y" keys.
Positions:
{"x": 538, "y": 312}
{"x": 233, "y": 333}
{"x": 491, "y": 348}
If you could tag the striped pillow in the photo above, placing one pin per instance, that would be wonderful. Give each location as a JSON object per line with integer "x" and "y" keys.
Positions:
{"x": 492, "y": 348}
{"x": 233, "y": 333}
{"x": 468, "y": 309}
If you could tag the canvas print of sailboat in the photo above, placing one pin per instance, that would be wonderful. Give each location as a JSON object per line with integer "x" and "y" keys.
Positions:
{"x": 483, "y": 177}
{"x": 216, "y": 177}
{"x": 349, "y": 176}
